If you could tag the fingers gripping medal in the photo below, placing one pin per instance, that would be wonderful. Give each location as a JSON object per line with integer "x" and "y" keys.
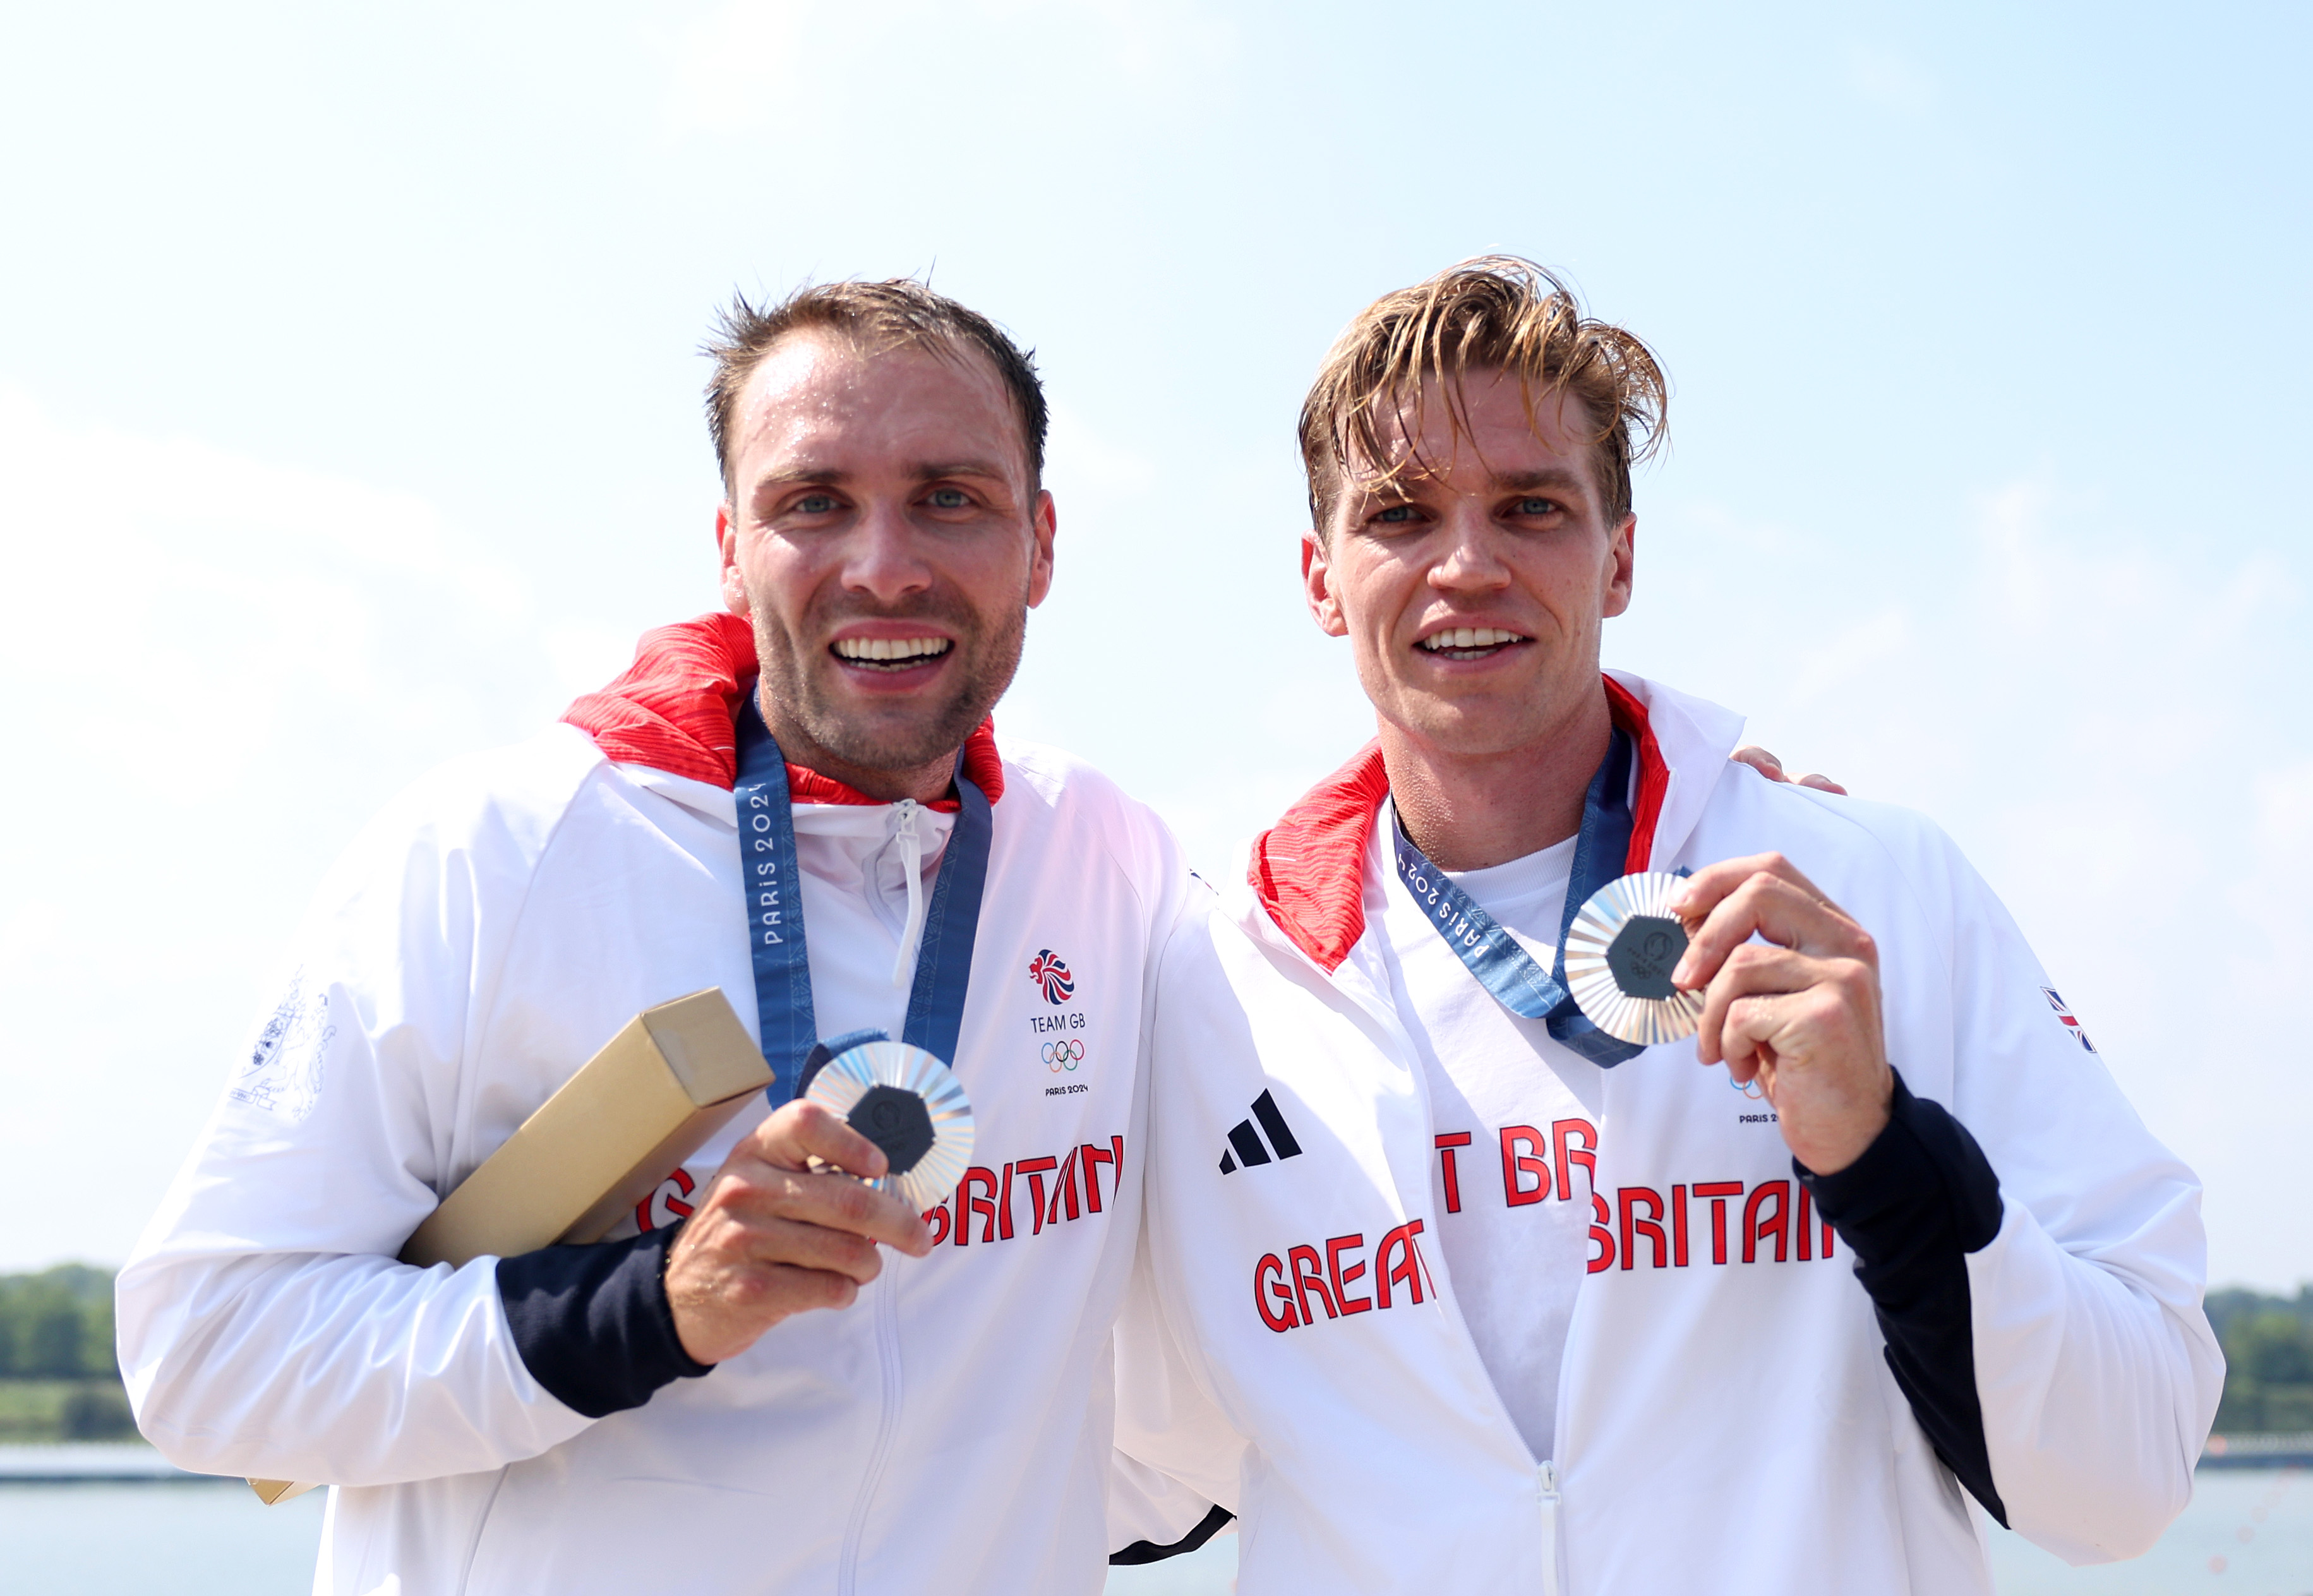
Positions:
{"x": 910, "y": 1104}
{"x": 1620, "y": 952}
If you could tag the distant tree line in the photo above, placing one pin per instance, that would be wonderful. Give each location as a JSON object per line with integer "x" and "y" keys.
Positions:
{"x": 59, "y": 1382}
{"x": 58, "y": 1379}
{"x": 56, "y": 1325}
{"x": 2268, "y": 1343}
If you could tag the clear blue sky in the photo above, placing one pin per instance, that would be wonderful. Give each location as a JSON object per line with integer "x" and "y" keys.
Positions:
{"x": 349, "y": 419}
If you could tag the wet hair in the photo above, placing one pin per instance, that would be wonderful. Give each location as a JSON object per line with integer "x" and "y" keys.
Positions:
{"x": 1497, "y": 312}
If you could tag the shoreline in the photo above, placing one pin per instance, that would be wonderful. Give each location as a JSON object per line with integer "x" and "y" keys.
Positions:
{"x": 134, "y": 1462}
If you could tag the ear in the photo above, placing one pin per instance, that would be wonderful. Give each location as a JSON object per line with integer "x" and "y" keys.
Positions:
{"x": 727, "y": 543}
{"x": 1318, "y": 587}
{"x": 1622, "y": 554}
{"x": 1044, "y": 525}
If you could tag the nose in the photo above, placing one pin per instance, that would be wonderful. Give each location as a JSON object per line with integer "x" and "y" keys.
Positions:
{"x": 1468, "y": 559}
{"x": 881, "y": 559}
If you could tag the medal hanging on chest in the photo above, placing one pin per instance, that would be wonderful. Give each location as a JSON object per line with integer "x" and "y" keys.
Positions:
{"x": 907, "y": 1103}
{"x": 902, "y": 1096}
{"x": 1619, "y": 952}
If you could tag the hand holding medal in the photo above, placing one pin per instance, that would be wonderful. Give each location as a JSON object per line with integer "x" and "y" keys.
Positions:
{"x": 1653, "y": 958}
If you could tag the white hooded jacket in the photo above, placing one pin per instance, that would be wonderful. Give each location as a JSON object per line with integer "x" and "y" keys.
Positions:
{"x": 948, "y": 1432}
{"x": 1727, "y": 1421}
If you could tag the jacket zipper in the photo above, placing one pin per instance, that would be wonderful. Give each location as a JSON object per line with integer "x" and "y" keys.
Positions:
{"x": 886, "y": 1289}
{"x": 1547, "y": 1499}
{"x": 887, "y": 1351}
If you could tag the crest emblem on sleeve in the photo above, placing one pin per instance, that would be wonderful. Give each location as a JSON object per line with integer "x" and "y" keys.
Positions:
{"x": 283, "y": 1074}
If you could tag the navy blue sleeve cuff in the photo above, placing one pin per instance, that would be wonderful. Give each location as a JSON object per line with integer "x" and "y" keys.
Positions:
{"x": 1921, "y": 1198}
{"x": 593, "y": 1323}
{"x": 1148, "y": 1551}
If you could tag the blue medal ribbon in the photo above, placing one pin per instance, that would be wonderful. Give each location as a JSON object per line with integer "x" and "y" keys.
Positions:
{"x": 1494, "y": 955}
{"x": 773, "y": 883}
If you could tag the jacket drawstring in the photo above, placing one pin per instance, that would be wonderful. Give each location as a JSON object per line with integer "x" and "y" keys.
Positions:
{"x": 911, "y": 865}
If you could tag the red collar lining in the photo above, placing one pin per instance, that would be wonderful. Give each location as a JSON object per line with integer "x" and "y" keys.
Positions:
{"x": 1308, "y": 870}
{"x": 673, "y": 709}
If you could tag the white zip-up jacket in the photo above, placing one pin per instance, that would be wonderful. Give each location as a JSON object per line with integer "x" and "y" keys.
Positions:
{"x": 949, "y": 1431}
{"x": 1728, "y": 1419}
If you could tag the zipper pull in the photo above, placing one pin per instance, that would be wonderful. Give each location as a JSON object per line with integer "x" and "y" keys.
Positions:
{"x": 1546, "y": 1492}
{"x": 912, "y": 866}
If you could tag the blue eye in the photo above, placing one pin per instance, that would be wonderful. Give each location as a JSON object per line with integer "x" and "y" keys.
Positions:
{"x": 949, "y": 498}
{"x": 814, "y": 503}
{"x": 1396, "y": 514}
{"x": 1536, "y": 506}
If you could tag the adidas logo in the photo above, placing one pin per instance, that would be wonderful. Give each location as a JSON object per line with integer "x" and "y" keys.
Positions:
{"x": 1246, "y": 1147}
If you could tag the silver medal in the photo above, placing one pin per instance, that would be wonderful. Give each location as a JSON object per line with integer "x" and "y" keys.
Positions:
{"x": 910, "y": 1104}
{"x": 1620, "y": 952}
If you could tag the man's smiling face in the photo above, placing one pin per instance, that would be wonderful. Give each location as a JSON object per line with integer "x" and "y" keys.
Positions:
{"x": 1472, "y": 587}
{"x": 885, "y": 538}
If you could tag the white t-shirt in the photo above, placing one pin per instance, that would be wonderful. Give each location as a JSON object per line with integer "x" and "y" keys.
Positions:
{"x": 855, "y": 908}
{"x": 1515, "y": 1120}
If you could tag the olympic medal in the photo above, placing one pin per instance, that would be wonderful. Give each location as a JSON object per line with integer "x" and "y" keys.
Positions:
{"x": 910, "y": 1104}
{"x": 1620, "y": 952}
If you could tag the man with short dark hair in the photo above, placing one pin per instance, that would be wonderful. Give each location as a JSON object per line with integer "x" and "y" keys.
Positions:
{"x": 1499, "y": 1301}
{"x": 538, "y": 1422}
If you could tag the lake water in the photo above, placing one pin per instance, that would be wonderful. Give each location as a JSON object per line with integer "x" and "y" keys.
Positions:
{"x": 2248, "y": 1532}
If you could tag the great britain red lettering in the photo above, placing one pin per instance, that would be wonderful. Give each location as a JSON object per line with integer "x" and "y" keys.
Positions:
{"x": 1632, "y": 1228}
{"x": 1028, "y": 1194}
{"x": 1772, "y": 1226}
{"x": 1635, "y": 1227}
{"x": 1289, "y": 1292}
{"x": 666, "y": 1199}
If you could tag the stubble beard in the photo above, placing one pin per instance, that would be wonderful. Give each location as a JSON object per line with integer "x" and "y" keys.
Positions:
{"x": 900, "y": 739}
{"x": 1505, "y": 720}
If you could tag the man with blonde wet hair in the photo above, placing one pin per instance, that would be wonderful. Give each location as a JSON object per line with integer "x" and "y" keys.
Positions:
{"x": 1447, "y": 1287}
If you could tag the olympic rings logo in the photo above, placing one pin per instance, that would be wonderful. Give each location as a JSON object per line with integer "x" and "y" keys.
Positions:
{"x": 1060, "y": 1055}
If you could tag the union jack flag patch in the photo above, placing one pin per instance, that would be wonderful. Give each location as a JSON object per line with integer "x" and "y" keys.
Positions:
{"x": 2065, "y": 1015}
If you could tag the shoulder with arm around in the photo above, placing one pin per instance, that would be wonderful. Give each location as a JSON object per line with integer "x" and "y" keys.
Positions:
{"x": 1077, "y": 806}
{"x": 1858, "y": 851}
